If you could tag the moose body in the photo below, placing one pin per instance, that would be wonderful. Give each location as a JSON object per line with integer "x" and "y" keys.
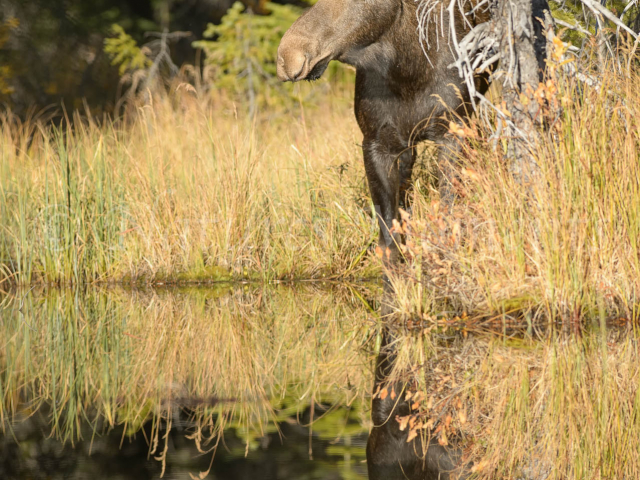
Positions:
{"x": 402, "y": 96}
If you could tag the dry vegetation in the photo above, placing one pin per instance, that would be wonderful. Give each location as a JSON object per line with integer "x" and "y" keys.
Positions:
{"x": 182, "y": 190}
{"x": 565, "y": 247}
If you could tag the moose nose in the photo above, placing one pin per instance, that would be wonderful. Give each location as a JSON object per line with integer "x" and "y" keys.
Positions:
{"x": 291, "y": 65}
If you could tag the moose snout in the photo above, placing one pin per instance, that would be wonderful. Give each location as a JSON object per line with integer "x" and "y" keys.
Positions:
{"x": 292, "y": 64}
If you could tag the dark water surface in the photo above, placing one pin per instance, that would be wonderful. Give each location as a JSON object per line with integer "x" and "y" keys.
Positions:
{"x": 29, "y": 452}
{"x": 99, "y": 383}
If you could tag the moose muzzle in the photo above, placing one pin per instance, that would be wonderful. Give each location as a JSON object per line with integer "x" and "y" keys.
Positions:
{"x": 293, "y": 63}
{"x": 301, "y": 58}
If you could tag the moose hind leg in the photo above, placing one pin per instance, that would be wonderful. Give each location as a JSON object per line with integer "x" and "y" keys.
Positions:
{"x": 448, "y": 149}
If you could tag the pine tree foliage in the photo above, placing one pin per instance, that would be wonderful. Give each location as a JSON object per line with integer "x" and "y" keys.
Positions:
{"x": 125, "y": 52}
{"x": 241, "y": 52}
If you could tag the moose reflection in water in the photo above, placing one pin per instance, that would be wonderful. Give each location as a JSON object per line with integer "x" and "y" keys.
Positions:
{"x": 389, "y": 455}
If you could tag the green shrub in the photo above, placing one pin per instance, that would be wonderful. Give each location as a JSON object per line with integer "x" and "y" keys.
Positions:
{"x": 125, "y": 52}
{"x": 241, "y": 52}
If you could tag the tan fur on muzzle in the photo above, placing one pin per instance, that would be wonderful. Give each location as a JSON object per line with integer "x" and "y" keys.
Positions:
{"x": 292, "y": 61}
{"x": 305, "y": 48}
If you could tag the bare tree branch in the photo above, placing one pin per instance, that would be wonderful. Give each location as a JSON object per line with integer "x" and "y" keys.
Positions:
{"x": 605, "y": 12}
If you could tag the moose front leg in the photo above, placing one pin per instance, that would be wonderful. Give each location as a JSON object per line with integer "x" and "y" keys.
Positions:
{"x": 383, "y": 176}
{"x": 406, "y": 161}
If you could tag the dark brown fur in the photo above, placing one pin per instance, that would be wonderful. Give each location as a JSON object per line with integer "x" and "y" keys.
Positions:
{"x": 401, "y": 97}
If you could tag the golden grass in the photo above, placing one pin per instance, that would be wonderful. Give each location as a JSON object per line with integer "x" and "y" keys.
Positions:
{"x": 194, "y": 193}
{"x": 183, "y": 190}
{"x": 565, "y": 247}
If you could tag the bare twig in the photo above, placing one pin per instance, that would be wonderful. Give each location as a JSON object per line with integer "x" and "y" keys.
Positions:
{"x": 605, "y": 12}
{"x": 575, "y": 27}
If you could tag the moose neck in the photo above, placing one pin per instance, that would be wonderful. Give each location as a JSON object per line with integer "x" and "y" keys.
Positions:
{"x": 397, "y": 53}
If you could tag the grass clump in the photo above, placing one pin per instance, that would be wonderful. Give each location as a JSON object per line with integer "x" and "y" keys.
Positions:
{"x": 563, "y": 247}
{"x": 183, "y": 191}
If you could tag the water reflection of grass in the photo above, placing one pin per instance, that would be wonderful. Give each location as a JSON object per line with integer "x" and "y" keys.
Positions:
{"x": 562, "y": 406}
{"x": 241, "y": 359}
{"x": 246, "y": 359}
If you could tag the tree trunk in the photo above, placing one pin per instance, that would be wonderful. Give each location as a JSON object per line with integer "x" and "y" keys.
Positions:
{"x": 521, "y": 33}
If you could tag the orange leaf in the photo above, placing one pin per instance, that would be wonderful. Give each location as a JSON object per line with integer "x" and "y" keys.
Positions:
{"x": 478, "y": 467}
{"x": 384, "y": 393}
{"x": 447, "y": 421}
{"x": 442, "y": 440}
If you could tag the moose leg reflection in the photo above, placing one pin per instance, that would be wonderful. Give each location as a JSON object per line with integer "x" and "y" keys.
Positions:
{"x": 389, "y": 455}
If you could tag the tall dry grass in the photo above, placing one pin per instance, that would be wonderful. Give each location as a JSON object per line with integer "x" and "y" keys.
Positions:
{"x": 565, "y": 246}
{"x": 183, "y": 190}
{"x": 560, "y": 252}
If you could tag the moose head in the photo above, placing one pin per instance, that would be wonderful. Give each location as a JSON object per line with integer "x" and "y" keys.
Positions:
{"x": 333, "y": 30}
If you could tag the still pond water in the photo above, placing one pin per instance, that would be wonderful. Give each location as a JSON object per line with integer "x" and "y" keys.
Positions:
{"x": 246, "y": 382}
{"x": 111, "y": 383}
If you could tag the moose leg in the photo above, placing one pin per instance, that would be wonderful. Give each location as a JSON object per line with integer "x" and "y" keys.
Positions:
{"x": 447, "y": 153}
{"x": 383, "y": 176}
{"x": 407, "y": 159}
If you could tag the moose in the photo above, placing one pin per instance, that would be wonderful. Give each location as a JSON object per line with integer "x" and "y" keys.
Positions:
{"x": 402, "y": 96}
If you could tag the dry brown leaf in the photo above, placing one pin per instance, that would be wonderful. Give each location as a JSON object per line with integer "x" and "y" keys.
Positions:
{"x": 412, "y": 422}
{"x": 384, "y": 393}
{"x": 462, "y": 416}
{"x": 447, "y": 421}
{"x": 403, "y": 421}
